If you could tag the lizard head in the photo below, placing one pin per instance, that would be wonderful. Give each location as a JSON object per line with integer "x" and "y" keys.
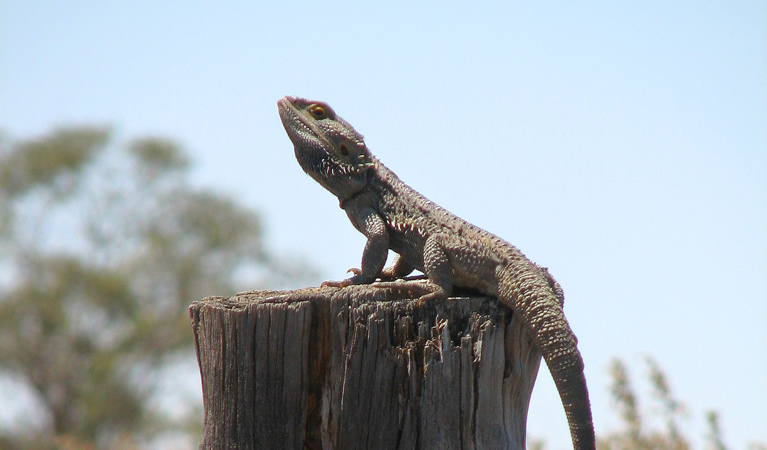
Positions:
{"x": 326, "y": 146}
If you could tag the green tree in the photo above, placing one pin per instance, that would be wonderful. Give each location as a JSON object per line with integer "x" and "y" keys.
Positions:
{"x": 102, "y": 248}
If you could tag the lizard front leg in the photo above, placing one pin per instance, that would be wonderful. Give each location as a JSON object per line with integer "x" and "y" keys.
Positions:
{"x": 439, "y": 273}
{"x": 375, "y": 252}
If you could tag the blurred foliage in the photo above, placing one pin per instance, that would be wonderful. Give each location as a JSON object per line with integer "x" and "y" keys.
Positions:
{"x": 636, "y": 432}
{"x": 41, "y": 162}
{"x": 638, "y": 429}
{"x": 102, "y": 249}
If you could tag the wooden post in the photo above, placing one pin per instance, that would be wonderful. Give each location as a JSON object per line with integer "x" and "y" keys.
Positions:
{"x": 328, "y": 368}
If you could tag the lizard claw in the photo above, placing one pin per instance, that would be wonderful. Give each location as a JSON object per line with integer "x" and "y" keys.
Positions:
{"x": 354, "y": 270}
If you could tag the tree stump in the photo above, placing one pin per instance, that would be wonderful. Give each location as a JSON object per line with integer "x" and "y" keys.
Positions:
{"x": 359, "y": 368}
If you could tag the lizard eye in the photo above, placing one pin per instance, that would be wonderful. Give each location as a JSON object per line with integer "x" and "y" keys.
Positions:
{"x": 318, "y": 112}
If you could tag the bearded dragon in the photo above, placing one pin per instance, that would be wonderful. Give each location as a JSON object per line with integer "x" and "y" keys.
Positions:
{"x": 448, "y": 250}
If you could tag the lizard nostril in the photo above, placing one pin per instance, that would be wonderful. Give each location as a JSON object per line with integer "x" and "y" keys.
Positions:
{"x": 344, "y": 150}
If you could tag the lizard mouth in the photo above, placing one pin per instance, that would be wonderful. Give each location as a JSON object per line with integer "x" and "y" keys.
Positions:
{"x": 298, "y": 127}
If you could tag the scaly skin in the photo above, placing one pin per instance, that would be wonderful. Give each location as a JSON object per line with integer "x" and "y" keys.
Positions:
{"x": 426, "y": 237}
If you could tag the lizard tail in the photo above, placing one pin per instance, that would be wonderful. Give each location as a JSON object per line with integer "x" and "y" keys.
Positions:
{"x": 538, "y": 299}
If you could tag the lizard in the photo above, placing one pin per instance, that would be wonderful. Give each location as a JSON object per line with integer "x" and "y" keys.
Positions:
{"x": 446, "y": 249}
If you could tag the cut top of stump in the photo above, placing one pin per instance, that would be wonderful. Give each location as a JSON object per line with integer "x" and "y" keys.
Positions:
{"x": 362, "y": 368}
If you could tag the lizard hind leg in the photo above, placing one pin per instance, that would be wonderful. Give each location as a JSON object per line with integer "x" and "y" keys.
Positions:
{"x": 439, "y": 274}
{"x": 437, "y": 268}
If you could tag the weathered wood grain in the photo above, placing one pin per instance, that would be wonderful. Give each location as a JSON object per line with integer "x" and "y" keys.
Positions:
{"x": 359, "y": 368}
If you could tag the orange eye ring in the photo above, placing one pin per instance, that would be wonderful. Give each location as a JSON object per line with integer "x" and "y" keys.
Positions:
{"x": 318, "y": 112}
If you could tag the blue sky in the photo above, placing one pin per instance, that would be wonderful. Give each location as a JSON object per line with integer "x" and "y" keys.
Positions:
{"x": 624, "y": 146}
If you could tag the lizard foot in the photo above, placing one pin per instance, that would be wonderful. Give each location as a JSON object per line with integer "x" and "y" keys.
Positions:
{"x": 358, "y": 278}
{"x": 338, "y": 284}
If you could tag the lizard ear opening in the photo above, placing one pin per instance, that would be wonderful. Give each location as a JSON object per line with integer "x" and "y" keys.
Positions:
{"x": 353, "y": 154}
